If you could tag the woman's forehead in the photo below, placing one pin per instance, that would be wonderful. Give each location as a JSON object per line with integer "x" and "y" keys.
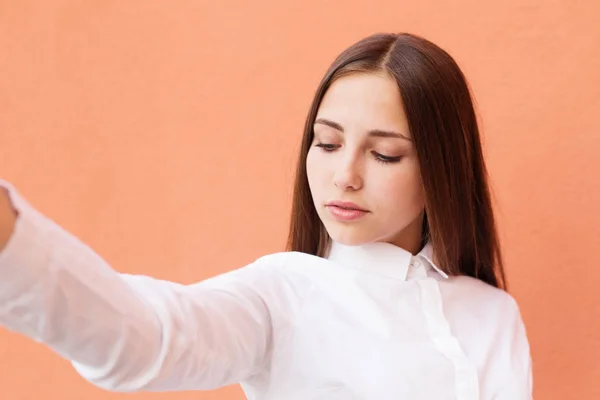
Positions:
{"x": 364, "y": 102}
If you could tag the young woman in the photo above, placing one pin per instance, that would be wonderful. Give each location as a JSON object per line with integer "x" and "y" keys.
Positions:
{"x": 392, "y": 287}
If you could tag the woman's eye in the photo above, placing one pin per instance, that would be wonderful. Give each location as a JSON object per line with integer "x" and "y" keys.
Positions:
{"x": 327, "y": 147}
{"x": 386, "y": 159}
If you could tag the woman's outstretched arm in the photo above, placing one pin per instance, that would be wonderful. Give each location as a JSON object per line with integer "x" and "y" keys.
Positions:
{"x": 125, "y": 332}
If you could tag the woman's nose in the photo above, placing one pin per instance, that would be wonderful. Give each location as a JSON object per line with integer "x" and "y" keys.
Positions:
{"x": 348, "y": 176}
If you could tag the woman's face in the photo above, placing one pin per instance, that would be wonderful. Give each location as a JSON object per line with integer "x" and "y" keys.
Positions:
{"x": 363, "y": 153}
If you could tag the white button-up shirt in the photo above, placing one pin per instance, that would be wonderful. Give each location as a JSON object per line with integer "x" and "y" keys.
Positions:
{"x": 369, "y": 322}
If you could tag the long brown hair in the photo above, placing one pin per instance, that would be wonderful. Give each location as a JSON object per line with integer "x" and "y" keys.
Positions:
{"x": 459, "y": 219}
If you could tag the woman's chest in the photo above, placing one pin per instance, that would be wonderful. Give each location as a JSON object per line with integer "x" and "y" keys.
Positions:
{"x": 360, "y": 349}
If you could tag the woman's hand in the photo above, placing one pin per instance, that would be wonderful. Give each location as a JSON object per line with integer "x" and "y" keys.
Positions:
{"x": 8, "y": 217}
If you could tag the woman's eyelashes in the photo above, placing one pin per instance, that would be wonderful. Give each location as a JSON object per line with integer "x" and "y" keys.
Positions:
{"x": 328, "y": 147}
{"x": 386, "y": 159}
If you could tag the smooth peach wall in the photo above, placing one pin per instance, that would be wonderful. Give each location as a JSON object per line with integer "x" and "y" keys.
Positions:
{"x": 164, "y": 134}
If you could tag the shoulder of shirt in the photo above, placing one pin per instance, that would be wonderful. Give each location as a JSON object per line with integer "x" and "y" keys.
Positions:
{"x": 289, "y": 277}
{"x": 274, "y": 259}
{"x": 291, "y": 265}
{"x": 287, "y": 259}
{"x": 300, "y": 268}
{"x": 475, "y": 290}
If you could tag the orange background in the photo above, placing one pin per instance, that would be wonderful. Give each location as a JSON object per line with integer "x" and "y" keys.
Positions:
{"x": 164, "y": 134}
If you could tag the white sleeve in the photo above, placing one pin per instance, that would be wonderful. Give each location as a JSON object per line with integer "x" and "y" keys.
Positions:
{"x": 514, "y": 364}
{"x": 129, "y": 333}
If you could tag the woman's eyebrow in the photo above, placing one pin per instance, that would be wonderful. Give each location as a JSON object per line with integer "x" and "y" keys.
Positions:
{"x": 371, "y": 133}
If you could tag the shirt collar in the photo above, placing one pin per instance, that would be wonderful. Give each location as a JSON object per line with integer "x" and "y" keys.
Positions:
{"x": 383, "y": 258}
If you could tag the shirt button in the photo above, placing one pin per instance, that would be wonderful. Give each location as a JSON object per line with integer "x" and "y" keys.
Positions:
{"x": 417, "y": 268}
